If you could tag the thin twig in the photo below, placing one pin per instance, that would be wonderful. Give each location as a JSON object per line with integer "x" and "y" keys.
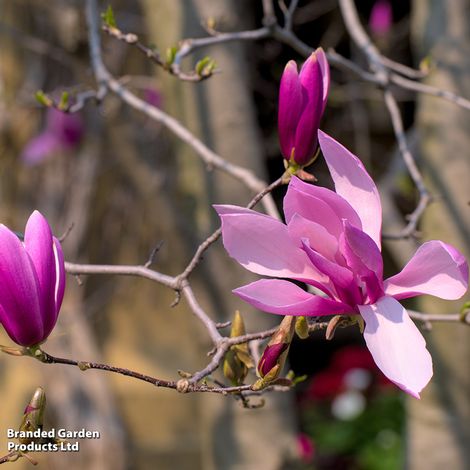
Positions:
{"x": 430, "y": 90}
{"x": 183, "y": 386}
{"x": 424, "y": 196}
{"x": 105, "y": 79}
{"x": 362, "y": 40}
{"x": 188, "y": 46}
{"x": 152, "y": 54}
{"x": 216, "y": 234}
{"x": 269, "y": 16}
{"x": 288, "y": 13}
{"x": 402, "y": 69}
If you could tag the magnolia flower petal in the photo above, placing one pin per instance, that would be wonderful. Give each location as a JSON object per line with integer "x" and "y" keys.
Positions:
{"x": 67, "y": 127}
{"x": 41, "y": 147}
{"x": 39, "y": 246}
{"x": 397, "y": 346}
{"x": 21, "y": 313}
{"x": 285, "y": 298}
{"x": 436, "y": 269}
{"x": 364, "y": 258}
{"x": 325, "y": 71}
{"x": 262, "y": 245}
{"x": 319, "y": 238}
{"x": 341, "y": 277}
{"x": 353, "y": 183}
{"x": 290, "y": 107}
{"x": 311, "y": 81}
{"x": 312, "y": 208}
{"x": 364, "y": 248}
{"x": 337, "y": 204}
{"x": 60, "y": 276}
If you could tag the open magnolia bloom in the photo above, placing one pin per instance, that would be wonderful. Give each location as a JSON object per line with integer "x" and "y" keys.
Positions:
{"x": 331, "y": 240}
{"x": 32, "y": 281}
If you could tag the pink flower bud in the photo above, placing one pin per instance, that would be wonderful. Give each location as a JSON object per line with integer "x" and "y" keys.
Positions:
{"x": 277, "y": 348}
{"x": 32, "y": 281}
{"x": 381, "y": 18}
{"x": 302, "y": 100}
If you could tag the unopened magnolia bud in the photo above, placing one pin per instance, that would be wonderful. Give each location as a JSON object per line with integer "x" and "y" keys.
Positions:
{"x": 33, "y": 417}
{"x": 302, "y": 101}
{"x": 83, "y": 366}
{"x": 301, "y": 327}
{"x": 182, "y": 385}
{"x": 271, "y": 358}
{"x": 332, "y": 325}
{"x": 237, "y": 360}
{"x": 234, "y": 369}
{"x": 275, "y": 353}
{"x": 263, "y": 382}
{"x": 238, "y": 325}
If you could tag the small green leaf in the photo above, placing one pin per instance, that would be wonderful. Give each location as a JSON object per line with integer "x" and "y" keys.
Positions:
{"x": 43, "y": 99}
{"x": 299, "y": 379}
{"x": 201, "y": 64}
{"x": 301, "y": 327}
{"x": 171, "y": 54}
{"x": 205, "y": 66}
{"x": 64, "y": 101}
{"x": 108, "y": 17}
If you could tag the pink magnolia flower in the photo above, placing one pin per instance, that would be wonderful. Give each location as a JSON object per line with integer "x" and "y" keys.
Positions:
{"x": 32, "y": 281}
{"x": 331, "y": 241}
{"x": 381, "y": 18}
{"x": 302, "y": 100}
{"x": 63, "y": 132}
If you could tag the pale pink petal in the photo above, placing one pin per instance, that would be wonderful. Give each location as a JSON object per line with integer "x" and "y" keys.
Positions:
{"x": 397, "y": 346}
{"x": 311, "y": 208}
{"x": 262, "y": 245}
{"x": 298, "y": 189}
{"x": 435, "y": 269}
{"x": 353, "y": 183}
{"x": 319, "y": 238}
{"x": 285, "y": 298}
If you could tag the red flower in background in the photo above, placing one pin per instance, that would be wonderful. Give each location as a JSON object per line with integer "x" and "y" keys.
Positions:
{"x": 332, "y": 381}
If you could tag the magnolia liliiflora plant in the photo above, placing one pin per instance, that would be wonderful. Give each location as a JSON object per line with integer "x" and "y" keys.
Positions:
{"x": 331, "y": 241}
